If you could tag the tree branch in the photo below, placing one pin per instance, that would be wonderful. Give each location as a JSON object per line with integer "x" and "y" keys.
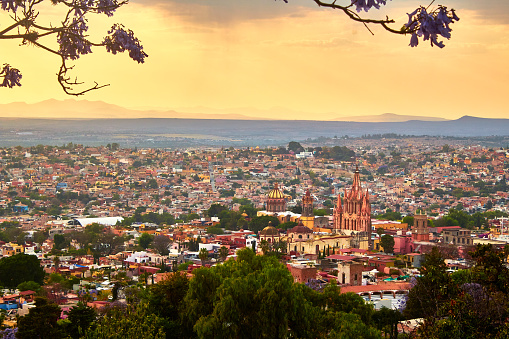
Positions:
{"x": 67, "y": 84}
{"x": 356, "y": 17}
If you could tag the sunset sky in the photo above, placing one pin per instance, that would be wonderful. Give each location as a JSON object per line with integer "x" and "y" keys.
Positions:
{"x": 306, "y": 61}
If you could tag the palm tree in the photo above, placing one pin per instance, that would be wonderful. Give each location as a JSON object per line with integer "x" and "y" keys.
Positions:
{"x": 223, "y": 252}
{"x": 204, "y": 254}
{"x": 265, "y": 246}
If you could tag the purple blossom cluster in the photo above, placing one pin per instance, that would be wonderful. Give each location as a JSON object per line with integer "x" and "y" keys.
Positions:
{"x": 8, "y": 333}
{"x": 9, "y": 5}
{"x": 430, "y": 25}
{"x": 80, "y": 7}
{"x": 12, "y": 76}
{"x": 121, "y": 40}
{"x": 476, "y": 291}
{"x": 366, "y": 5}
{"x": 107, "y": 7}
{"x": 72, "y": 40}
{"x": 316, "y": 285}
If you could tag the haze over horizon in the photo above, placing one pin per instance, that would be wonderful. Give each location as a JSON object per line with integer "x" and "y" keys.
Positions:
{"x": 296, "y": 59}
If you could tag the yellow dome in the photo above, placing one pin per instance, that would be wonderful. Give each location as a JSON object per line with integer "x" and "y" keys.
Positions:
{"x": 276, "y": 193}
{"x": 269, "y": 230}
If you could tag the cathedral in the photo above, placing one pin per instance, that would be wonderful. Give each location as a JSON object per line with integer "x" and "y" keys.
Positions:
{"x": 353, "y": 215}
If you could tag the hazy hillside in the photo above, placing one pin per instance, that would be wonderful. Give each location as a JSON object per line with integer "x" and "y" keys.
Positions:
{"x": 84, "y": 109}
{"x": 189, "y": 132}
{"x": 388, "y": 117}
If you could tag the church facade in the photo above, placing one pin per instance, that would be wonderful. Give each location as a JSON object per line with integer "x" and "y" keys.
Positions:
{"x": 352, "y": 216}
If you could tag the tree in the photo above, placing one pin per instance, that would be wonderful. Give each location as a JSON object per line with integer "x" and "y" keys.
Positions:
{"x": 165, "y": 300}
{"x": 41, "y": 321}
{"x": 60, "y": 242}
{"x": 387, "y": 242}
{"x": 203, "y": 255}
{"x": 152, "y": 184}
{"x": 145, "y": 239}
{"x": 215, "y": 209}
{"x": 490, "y": 268}
{"x": 257, "y": 298}
{"x": 469, "y": 304}
{"x": 259, "y": 223}
{"x": 70, "y": 36}
{"x": 161, "y": 243}
{"x": 431, "y": 290}
{"x": 387, "y": 320}
{"x": 132, "y": 322}
{"x": 409, "y": 220}
{"x": 80, "y": 318}
{"x": 20, "y": 268}
{"x": 295, "y": 147}
{"x": 223, "y": 252}
{"x": 29, "y": 286}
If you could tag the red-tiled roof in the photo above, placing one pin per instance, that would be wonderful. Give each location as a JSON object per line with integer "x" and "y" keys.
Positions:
{"x": 379, "y": 287}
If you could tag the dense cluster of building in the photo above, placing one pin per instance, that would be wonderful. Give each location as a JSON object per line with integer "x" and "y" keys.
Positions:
{"x": 48, "y": 191}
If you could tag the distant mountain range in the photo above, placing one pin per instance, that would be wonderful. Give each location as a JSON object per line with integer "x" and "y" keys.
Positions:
{"x": 388, "y": 117}
{"x": 157, "y": 132}
{"x": 97, "y": 123}
{"x": 84, "y": 109}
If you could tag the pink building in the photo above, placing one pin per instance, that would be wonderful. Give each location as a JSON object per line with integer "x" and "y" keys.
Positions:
{"x": 403, "y": 244}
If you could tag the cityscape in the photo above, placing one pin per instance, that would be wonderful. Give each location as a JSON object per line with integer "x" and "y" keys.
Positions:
{"x": 106, "y": 222}
{"x": 246, "y": 169}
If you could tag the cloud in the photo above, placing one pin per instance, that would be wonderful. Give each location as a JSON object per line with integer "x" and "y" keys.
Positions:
{"x": 227, "y": 12}
{"x": 490, "y": 10}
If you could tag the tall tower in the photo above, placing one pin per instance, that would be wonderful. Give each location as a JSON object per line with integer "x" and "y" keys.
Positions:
{"x": 307, "y": 218}
{"x": 353, "y": 215}
{"x": 420, "y": 231}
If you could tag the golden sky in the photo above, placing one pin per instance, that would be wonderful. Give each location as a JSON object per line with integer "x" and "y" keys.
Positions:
{"x": 308, "y": 62}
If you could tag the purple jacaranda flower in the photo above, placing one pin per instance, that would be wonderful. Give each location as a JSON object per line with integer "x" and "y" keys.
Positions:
{"x": 414, "y": 40}
{"x": 435, "y": 42}
{"x": 72, "y": 41}
{"x": 430, "y": 25}
{"x": 122, "y": 40}
{"x": 476, "y": 291}
{"x": 366, "y": 5}
{"x": 12, "y": 76}
{"x": 411, "y": 18}
{"x": 454, "y": 16}
{"x": 107, "y": 7}
{"x": 9, "y": 5}
{"x": 9, "y": 333}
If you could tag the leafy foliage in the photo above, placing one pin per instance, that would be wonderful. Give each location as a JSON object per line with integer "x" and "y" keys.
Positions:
{"x": 20, "y": 268}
